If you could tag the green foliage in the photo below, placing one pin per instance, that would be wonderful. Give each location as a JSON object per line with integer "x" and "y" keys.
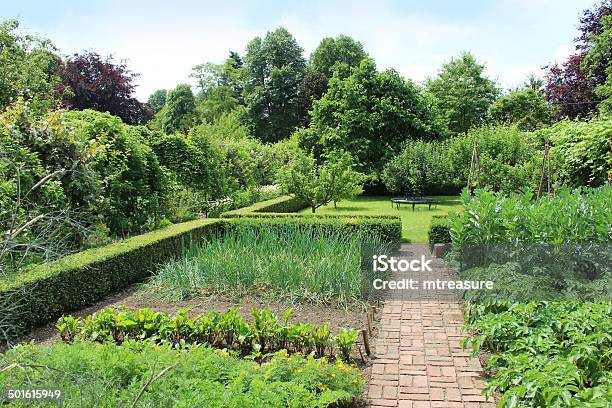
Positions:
{"x": 599, "y": 55}
{"x": 300, "y": 261}
{"x": 107, "y": 375}
{"x": 44, "y": 171}
{"x": 157, "y": 100}
{"x": 340, "y": 50}
{"x": 569, "y": 217}
{"x": 30, "y": 68}
{"x": 274, "y": 68}
{"x": 544, "y": 354}
{"x": 368, "y": 114}
{"x": 317, "y": 185}
{"x": 420, "y": 168}
{"x": 220, "y": 87}
{"x": 132, "y": 182}
{"x": 345, "y": 340}
{"x": 526, "y": 108}
{"x": 267, "y": 333}
{"x": 581, "y": 151}
{"x": 44, "y": 292}
{"x": 462, "y": 94}
{"x": 509, "y": 160}
{"x": 179, "y": 113}
{"x": 439, "y": 231}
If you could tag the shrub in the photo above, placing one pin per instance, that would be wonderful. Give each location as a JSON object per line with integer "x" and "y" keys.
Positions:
{"x": 510, "y": 160}
{"x": 127, "y": 169}
{"x": 419, "y": 169}
{"x": 439, "y": 230}
{"x": 48, "y": 290}
{"x": 581, "y": 151}
{"x": 93, "y": 374}
{"x": 223, "y": 330}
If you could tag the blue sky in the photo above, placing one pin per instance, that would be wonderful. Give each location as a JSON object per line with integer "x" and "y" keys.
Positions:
{"x": 162, "y": 40}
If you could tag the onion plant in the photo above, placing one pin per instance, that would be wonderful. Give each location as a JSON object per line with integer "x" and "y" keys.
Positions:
{"x": 288, "y": 262}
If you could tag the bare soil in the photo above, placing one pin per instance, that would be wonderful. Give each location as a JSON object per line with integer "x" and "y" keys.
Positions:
{"x": 354, "y": 317}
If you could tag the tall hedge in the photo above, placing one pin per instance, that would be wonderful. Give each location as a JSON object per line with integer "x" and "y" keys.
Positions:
{"x": 44, "y": 292}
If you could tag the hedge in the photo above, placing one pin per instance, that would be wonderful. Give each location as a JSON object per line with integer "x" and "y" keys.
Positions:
{"x": 284, "y": 204}
{"x": 47, "y": 291}
{"x": 439, "y": 230}
{"x": 387, "y": 228}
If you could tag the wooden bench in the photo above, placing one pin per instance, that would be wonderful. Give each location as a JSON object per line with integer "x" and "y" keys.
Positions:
{"x": 397, "y": 201}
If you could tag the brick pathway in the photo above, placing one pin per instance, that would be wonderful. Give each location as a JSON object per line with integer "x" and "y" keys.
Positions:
{"x": 419, "y": 361}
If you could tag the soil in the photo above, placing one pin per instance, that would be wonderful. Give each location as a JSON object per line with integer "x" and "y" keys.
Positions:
{"x": 338, "y": 318}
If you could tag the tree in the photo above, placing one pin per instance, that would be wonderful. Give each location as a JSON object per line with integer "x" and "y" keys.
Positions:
{"x": 157, "y": 100}
{"x": 91, "y": 82}
{"x": 320, "y": 184}
{"x": 310, "y": 89}
{"x": 274, "y": 68}
{"x": 220, "y": 86}
{"x": 462, "y": 93}
{"x": 598, "y": 56}
{"x": 340, "y": 50}
{"x": 525, "y": 107}
{"x": 179, "y": 114}
{"x": 30, "y": 68}
{"x": 571, "y": 85}
{"x": 569, "y": 89}
{"x": 369, "y": 115}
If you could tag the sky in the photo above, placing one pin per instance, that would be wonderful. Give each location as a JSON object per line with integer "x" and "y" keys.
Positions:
{"x": 163, "y": 40}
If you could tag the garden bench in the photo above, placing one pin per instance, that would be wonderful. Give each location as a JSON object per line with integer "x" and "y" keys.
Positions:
{"x": 397, "y": 201}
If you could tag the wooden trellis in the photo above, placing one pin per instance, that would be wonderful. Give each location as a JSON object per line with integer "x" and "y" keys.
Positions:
{"x": 545, "y": 169}
{"x": 474, "y": 165}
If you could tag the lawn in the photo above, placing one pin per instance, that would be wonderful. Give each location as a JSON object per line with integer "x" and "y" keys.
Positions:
{"x": 414, "y": 223}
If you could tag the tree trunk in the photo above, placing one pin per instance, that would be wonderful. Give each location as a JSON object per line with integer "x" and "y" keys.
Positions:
{"x": 313, "y": 209}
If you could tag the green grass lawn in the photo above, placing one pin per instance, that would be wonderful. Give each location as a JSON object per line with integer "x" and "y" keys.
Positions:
{"x": 414, "y": 223}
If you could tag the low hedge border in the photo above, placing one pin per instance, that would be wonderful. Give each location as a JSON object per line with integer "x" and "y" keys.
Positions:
{"x": 284, "y": 204}
{"x": 387, "y": 229}
{"x": 439, "y": 230}
{"x": 45, "y": 292}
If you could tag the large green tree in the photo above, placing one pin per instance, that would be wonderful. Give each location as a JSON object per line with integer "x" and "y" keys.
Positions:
{"x": 157, "y": 100}
{"x": 179, "y": 114}
{"x": 29, "y": 68}
{"x": 340, "y": 50}
{"x": 368, "y": 114}
{"x": 220, "y": 86}
{"x": 274, "y": 68}
{"x": 462, "y": 93}
{"x": 525, "y": 107}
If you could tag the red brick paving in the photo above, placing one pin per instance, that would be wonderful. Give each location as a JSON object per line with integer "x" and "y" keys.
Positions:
{"x": 419, "y": 361}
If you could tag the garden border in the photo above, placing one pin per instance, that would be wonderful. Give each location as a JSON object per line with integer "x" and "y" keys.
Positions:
{"x": 47, "y": 291}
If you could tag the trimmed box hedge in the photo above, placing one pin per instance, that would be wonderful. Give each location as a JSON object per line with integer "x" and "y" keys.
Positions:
{"x": 439, "y": 230}
{"x": 47, "y": 291}
{"x": 284, "y": 204}
{"x": 387, "y": 228}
